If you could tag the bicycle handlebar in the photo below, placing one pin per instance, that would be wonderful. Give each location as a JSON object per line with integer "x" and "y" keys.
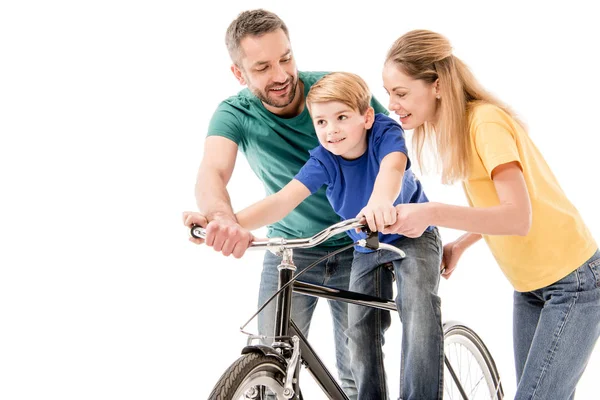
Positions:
{"x": 304, "y": 243}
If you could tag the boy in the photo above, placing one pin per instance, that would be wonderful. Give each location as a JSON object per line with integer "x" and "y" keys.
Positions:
{"x": 362, "y": 158}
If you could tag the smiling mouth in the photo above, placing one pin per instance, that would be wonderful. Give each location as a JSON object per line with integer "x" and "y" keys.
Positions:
{"x": 335, "y": 140}
{"x": 279, "y": 88}
{"x": 404, "y": 115}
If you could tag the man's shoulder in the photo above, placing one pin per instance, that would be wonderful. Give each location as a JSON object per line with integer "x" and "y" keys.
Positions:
{"x": 309, "y": 78}
{"x": 242, "y": 99}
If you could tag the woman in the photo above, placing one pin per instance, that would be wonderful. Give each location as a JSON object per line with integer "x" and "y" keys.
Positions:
{"x": 536, "y": 235}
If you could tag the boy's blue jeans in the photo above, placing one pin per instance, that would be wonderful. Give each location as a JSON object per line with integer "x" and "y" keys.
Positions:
{"x": 334, "y": 272}
{"x": 417, "y": 278}
{"x": 555, "y": 329}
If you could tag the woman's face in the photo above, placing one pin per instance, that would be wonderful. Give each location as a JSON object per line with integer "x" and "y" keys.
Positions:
{"x": 414, "y": 101}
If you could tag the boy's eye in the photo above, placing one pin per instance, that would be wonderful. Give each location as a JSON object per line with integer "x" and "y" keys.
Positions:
{"x": 342, "y": 117}
{"x": 320, "y": 122}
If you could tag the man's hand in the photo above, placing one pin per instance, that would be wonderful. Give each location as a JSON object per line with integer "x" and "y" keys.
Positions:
{"x": 222, "y": 234}
{"x": 190, "y": 219}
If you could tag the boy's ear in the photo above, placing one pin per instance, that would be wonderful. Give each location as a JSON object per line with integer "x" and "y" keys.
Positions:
{"x": 369, "y": 117}
{"x": 237, "y": 72}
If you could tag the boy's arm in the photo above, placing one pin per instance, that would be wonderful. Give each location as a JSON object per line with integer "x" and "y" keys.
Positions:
{"x": 274, "y": 207}
{"x": 380, "y": 210}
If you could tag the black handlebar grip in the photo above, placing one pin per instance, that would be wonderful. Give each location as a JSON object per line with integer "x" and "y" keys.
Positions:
{"x": 197, "y": 232}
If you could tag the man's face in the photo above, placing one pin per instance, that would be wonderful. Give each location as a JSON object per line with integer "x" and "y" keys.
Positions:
{"x": 268, "y": 68}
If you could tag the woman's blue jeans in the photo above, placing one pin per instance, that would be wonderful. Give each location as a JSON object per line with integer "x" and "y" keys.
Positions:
{"x": 555, "y": 329}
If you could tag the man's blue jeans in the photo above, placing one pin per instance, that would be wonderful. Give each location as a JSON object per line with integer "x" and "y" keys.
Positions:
{"x": 555, "y": 329}
{"x": 417, "y": 278}
{"x": 334, "y": 272}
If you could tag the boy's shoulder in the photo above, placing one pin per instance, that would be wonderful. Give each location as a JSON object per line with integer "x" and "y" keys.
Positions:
{"x": 384, "y": 124}
{"x": 320, "y": 153}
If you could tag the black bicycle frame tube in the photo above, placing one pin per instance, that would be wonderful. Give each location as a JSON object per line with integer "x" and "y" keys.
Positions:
{"x": 284, "y": 302}
{"x": 343, "y": 295}
{"x": 354, "y": 298}
{"x": 315, "y": 366}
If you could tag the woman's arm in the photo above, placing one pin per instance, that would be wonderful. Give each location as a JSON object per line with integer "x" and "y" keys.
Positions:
{"x": 274, "y": 207}
{"x": 511, "y": 217}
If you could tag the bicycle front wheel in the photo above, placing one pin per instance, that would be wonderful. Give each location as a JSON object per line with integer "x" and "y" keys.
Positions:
{"x": 470, "y": 371}
{"x": 252, "y": 376}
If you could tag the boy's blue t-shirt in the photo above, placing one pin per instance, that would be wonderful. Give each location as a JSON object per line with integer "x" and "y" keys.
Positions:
{"x": 350, "y": 182}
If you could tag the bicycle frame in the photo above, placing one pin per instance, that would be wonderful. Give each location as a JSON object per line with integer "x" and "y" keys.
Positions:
{"x": 290, "y": 346}
{"x": 286, "y": 328}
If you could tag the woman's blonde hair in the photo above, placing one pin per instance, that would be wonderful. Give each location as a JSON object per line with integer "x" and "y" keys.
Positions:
{"x": 427, "y": 55}
{"x": 344, "y": 87}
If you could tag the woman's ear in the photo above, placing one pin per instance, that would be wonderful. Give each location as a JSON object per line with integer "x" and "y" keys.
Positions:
{"x": 436, "y": 89}
{"x": 369, "y": 117}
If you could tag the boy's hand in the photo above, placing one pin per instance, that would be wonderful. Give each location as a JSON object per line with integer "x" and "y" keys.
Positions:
{"x": 378, "y": 215}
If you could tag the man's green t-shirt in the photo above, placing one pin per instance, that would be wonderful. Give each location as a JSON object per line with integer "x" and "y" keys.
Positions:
{"x": 276, "y": 149}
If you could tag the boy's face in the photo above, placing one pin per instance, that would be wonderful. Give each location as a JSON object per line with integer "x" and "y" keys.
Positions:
{"x": 413, "y": 100}
{"x": 340, "y": 129}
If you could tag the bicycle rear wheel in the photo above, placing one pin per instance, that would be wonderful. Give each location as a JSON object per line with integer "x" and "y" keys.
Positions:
{"x": 470, "y": 371}
{"x": 252, "y": 376}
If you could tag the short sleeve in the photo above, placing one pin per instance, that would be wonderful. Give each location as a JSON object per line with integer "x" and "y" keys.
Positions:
{"x": 313, "y": 175}
{"x": 496, "y": 145}
{"x": 388, "y": 139}
{"x": 225, "y": 123}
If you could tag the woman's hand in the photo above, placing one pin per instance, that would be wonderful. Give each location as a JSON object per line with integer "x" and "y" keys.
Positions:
{"x": 452, "y": 252}
{"x": 411, "y": 220}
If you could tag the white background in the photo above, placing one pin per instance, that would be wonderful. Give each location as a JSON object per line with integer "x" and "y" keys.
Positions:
{"x": 103, "y": 112}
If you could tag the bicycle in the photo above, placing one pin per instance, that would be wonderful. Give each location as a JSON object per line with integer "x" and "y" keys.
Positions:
{"x": 273, "y": 371}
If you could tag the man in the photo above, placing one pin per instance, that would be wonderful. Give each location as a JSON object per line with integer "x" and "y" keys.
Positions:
{"x": 270, "y": 124}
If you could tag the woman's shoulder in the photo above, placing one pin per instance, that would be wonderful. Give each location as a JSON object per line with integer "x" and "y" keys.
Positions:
{"x": 480, "y": 112}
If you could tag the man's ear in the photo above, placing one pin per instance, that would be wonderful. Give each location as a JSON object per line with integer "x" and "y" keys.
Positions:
{"x": 237, "y": 72}
{"x": 369, "y": 117}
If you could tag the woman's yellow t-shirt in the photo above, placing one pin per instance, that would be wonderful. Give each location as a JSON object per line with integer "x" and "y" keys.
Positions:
{"x": 559, "y": 241}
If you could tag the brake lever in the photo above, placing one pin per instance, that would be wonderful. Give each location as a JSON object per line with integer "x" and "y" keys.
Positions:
{"x": 371, "y": 242}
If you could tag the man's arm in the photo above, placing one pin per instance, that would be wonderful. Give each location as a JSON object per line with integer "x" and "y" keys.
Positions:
{"x": 274, "y": 207}
{"x": 223, "y": 232}
{"x": 214, "y": 174}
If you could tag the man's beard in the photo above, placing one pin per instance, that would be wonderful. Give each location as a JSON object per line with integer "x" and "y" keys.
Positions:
{"x": 277, "y": 102}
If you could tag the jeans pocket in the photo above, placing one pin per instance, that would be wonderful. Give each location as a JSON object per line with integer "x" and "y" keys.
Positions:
{"x": 594, "y": 266}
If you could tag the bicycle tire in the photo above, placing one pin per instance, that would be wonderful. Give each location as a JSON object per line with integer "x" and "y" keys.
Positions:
{"x": 250, "y": 372}
{"x": 461, "y": 346}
